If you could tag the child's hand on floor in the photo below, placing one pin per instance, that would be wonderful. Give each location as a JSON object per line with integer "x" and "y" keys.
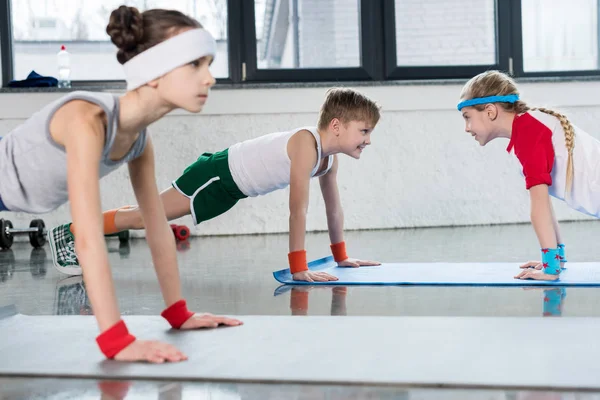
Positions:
{"x": 537, "y": 265}
{"x": 355, "y": 263}
{"x": 311, "y": 276}
{"x": 151, "y": 351}
{"x": 532, "y": 264}
{"x": 535, "y": 274}
{"x": 207, "y": 320}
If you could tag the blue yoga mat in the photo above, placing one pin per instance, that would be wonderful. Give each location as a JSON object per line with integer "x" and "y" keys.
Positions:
{"x": 444, "y": 274}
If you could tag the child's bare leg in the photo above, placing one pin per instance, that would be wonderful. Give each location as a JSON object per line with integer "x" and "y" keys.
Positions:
{"x": 175, "y": 204}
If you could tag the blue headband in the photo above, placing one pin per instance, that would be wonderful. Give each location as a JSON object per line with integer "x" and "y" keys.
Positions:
{"x": 511, "y": 98}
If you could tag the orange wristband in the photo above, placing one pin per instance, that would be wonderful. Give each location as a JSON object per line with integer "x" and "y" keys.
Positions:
{"x": 339, "y": 251}
{"x": 299, "y": 301}
{"x": 297, "y": 261}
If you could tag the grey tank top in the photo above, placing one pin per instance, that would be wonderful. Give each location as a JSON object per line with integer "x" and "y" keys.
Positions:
{"x": 33, "y": 167}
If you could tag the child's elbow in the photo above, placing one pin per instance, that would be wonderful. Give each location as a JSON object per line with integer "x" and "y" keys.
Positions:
{"x": 537, "y": 213}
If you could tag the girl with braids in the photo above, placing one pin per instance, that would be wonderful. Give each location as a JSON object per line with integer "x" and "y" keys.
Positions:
{"x": 558, "y": 159}
{"x": 60, "y": 153}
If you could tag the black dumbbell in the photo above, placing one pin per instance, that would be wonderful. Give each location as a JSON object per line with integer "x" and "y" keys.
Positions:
{"x": 123, "y": 236}
{"x": 36, "y": 232}
{"x": 7, "y": 265}
{"x": 37, "y": 262}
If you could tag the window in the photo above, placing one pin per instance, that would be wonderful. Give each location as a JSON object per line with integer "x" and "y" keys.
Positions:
{"x": 559, "y": 35}
{"x": 449, "y": 32}
{"x": 432, "y": 39}
{"x": 323, "y": 40}
{"x": 307, "y": 33}
{"x": 308, "y": 40}
{"x": 40, "y": 27}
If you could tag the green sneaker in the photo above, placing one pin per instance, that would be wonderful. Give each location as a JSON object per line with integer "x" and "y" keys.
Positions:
{"x": 62, "y": 246}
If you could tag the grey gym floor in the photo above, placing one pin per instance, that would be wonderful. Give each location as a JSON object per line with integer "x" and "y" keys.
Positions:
{"x": 232, "y": 275}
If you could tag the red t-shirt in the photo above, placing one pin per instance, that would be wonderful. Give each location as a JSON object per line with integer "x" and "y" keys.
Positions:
{"x": 532, "y": 142}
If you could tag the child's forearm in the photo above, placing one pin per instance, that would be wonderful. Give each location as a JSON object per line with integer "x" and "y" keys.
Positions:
{"x": 297, "y": 231}
{"x": 164, "y": 257}
{"x": 92, "y": 254}
{"x": 543, "y": 223}
{"x": 556, "y": 227}
{"x": 335, "y": 224}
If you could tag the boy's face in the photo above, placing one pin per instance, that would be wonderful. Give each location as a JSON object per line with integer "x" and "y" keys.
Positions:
{"x": 354, "y": 137}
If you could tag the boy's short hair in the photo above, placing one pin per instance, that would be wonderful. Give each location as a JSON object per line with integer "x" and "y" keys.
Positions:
{"x": 347, "y": 105}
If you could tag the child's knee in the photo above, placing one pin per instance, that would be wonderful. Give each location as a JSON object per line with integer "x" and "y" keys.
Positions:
{"x": 137, "y": 220}
{"x": 129, "y": 217}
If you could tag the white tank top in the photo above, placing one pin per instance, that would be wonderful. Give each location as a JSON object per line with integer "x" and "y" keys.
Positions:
{"x": 262, "y": 165}
{"x": 585, "y": 195}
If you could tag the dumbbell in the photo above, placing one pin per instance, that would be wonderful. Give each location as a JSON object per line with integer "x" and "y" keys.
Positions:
{"x": 36, "y": 232}
{"x": 181, "y": 232}
{"x": 123, "y": 236}
{"x": 9, "y": 265}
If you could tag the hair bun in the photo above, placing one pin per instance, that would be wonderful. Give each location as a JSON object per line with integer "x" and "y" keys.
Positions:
{"x": 125, "y": 28}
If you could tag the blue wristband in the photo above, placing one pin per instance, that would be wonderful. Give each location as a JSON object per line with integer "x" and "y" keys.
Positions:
{"x": 553, "y": 301}
{"x": 561, "y": 252}
{"x": 550, "y": 261}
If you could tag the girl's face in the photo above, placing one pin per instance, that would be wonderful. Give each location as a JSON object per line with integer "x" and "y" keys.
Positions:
{"x": 481, "y": 124}
{"x": 187, "y": 86}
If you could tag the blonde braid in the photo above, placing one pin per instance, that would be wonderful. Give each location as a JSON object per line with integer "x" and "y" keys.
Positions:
{"x": 569, "y": 142}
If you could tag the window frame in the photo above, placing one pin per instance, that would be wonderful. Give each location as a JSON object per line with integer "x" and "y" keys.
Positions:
{"x": 377, "y": 51}
{"x": 518, "y": 57}
{"x": 7, "y": 56}
{"x": 368, "y": 54}
{"x": 395, "y": 71}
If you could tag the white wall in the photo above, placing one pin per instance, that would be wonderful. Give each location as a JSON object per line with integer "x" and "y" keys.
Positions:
{"x": 448, "y": 32}
{"x": 421, "y": 170}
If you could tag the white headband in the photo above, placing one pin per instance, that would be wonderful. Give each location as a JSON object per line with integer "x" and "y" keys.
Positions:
{"x": 168, "y": 55}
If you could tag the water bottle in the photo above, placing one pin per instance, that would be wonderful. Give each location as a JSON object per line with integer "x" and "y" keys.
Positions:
{"x": 64, "y": 68}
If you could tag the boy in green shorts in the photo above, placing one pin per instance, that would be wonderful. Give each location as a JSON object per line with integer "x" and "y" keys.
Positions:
{"x": 216, "y": 182}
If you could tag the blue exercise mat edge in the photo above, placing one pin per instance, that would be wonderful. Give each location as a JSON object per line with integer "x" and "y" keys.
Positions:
{"x": 283, "y": 276}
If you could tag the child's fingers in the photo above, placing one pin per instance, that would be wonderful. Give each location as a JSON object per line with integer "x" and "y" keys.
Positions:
{"x": 227, "y": 321}
{"x": 530, "y": 264}
{"x": 522, "y": 274}
{"x": 205, "y": 323}
{"x": 368, "y": 262}
{"x": 324, "y": 276}
{"x": 330, "y": 277}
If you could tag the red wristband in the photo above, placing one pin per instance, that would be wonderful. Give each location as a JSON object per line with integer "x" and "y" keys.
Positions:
{"x": 114, "y": 389}
{"x": 339, "y": 251}
{"x": 297, "y": 261}
{"x": 114, "y": 339}
{"x": 177, "y": 314}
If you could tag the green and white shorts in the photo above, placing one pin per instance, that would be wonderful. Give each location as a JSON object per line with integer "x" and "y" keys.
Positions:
{"x": 209, "y": 186}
